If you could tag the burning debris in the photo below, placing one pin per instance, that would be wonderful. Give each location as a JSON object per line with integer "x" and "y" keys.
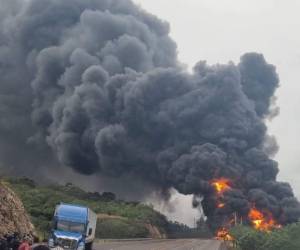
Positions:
{"x": 96, "y": 86}
{"x": 263, "y": 221}
{"x": 223, "y": 234}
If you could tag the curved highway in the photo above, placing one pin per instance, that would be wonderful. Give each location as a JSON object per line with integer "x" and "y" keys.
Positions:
{"x": 179, "y": 244}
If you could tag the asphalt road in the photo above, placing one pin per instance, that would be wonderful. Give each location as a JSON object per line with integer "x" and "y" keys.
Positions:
{"x": 184, "y": 244}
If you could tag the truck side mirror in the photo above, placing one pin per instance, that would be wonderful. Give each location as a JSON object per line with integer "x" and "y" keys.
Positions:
{"x": 90, "y": 231}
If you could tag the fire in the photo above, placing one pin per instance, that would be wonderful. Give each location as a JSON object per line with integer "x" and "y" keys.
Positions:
{"x": 221, "y": 205}
{"x": 221, "y": 185}
{"x": 260, "y": 221}
{"x": 223, "y": 234}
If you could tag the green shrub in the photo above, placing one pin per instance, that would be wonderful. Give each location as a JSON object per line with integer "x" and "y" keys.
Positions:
{"x": 121, "y": 229}
{"x": 249, "y": 239}
{"x": 286, "y": 238}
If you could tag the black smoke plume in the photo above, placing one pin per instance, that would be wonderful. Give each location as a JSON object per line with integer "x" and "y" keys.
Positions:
{"x": 96, "y": 86}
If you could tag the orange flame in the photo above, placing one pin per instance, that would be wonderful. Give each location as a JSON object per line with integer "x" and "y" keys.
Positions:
{"x": 221, "y": 205}
{"x": 221, "y": 185}
{"x": 223, "y": 234}
{"x": 262, "y": 222}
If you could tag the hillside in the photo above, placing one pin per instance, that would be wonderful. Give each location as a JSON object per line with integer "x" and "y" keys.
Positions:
{"x": 116, "y": 218}
{"x": 13, "y": 217}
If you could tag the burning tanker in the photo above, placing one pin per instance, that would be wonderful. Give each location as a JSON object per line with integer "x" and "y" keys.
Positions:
{"x": 96, "y": 86}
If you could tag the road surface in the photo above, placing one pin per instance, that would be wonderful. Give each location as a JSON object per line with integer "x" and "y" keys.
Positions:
{"x": 184, "y": 244}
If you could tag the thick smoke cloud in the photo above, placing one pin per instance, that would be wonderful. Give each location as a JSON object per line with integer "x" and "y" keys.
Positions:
{"x": 96, "y": 86}
{"x": 259, "y": 82}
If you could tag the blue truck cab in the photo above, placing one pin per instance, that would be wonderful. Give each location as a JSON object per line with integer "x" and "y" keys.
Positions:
{"x": 74, "y": 227}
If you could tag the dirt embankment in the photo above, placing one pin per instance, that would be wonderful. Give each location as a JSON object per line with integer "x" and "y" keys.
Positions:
{"x": 13, "y": 217}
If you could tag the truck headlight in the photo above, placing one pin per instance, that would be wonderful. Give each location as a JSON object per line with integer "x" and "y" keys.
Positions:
{"x": 80, "y": 246}
{"x": 51, "y": 242}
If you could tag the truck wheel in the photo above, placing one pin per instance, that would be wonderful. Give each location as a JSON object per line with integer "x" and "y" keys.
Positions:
{"x": 89, "y": 246}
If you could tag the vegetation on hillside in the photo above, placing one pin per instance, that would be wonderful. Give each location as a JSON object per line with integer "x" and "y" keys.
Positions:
{"x": 128, "y": 219}
{"x": 286, "y": 238}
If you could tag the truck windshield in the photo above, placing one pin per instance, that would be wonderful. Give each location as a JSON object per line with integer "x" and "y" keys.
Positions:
{"x": 71, "y": 226}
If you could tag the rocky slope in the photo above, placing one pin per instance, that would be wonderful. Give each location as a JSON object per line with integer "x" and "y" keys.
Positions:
{"x": 13, "y": 217}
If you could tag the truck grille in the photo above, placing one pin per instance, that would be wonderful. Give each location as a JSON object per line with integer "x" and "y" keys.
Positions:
{"x": 67, "y": 243}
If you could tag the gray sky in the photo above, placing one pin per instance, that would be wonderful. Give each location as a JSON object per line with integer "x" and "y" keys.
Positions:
{"x": 228, "y": 28}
